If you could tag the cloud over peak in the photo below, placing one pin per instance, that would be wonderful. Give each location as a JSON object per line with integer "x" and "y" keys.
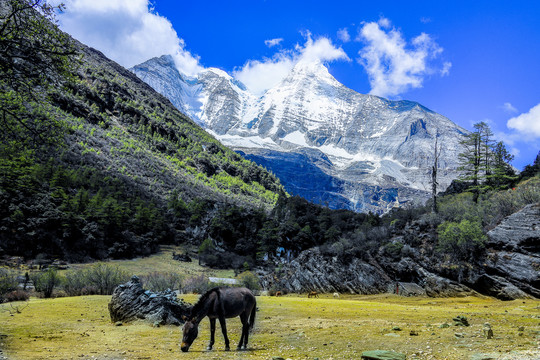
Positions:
{"x": 127, "y": 31}
{"x": 393, "y": 65}
{"x": 261, "y": 75}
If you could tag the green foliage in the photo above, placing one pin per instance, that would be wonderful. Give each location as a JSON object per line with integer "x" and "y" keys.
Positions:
{"x": 159, "y": 281}
{"x": 8, "y": 282}
{"x": 100, "y": 278}
{"x": 36, "y": 59}
{"x": 46, "y": 282}
{"x": 249, "y": 280}
{"x": 462, "y": 240}
{"x": 485, "y": 165}
{"x": 105, "y": 278}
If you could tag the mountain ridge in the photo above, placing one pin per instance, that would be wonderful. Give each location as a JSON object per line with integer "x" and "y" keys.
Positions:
{"x": 371, "y": 142}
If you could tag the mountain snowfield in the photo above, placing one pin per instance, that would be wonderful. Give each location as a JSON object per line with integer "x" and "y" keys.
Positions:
{"x": 325, "y": 142}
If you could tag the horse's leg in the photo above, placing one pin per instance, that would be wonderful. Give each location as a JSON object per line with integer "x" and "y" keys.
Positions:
{"x": 245, "y": 329}
{"x": 224, "y": 331}
{"x": 212, "y": 333}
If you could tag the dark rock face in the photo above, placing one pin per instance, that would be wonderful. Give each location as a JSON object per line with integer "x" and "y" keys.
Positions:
{"x": 509, "y": 270}
{"x": 131, "y": 302}
{"x": 312, "y": 271}
{"x": 519, "y": 232}
{"x": 514, "y": 256}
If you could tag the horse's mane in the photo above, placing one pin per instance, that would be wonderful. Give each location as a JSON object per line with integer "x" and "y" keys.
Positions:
{"x": 196, "y": 309}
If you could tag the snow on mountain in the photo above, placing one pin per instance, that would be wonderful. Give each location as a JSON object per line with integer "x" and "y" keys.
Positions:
{"x": 378, "y": 153}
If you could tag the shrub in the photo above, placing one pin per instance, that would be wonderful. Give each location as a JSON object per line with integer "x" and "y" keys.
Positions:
{"x": 461, "y": 240}
{"x": 8, "y": 282}
{"x": 45, "y": 282}
{"x": 249, "y": 280}
{"x": 197, "y": 284}
{"x": 75, "y": 283}
{"x": 105, "y": 278}
{"x": 160, "y": 281}
{"x": 17, "y": 295}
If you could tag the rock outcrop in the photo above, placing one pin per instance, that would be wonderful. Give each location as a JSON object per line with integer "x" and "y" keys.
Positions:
{"x": 509, "y": 270}
{"x": 513, "y": 260}
{"x": 312, "y": 271}
{"x": 131, "y": 302}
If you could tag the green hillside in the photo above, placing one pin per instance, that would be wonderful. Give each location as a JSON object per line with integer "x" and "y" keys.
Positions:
{"x": 94, "y": 163}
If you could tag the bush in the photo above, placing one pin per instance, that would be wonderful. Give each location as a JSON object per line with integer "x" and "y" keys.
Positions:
{"x": 249, "y": 280}
{"x": 17, "y": 295}
{"x": 45, "y": 282}
{"x": 99, "y": 279}
{"x": 76, "y": 284}
{"x": 196, "y": 284}
{"x": 8, "y": 282}
{"x": 160, "y": 281}
{"x": 461, "y": 240}
{"x": 105, "y": 278}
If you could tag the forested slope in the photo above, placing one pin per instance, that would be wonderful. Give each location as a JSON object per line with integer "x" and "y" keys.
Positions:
{"x": 94, "y": 163}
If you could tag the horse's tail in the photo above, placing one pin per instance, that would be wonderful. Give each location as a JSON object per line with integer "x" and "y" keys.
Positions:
{"x": 252, "y": 316}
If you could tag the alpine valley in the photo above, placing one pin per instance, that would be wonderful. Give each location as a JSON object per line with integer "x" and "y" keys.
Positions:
{"x": 326, "y": 142}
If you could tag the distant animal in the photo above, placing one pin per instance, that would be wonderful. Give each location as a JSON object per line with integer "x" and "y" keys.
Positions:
{"x": 278, "y": 293}
{"x": 336, "y": 295}
{"x": 221, "y": 303}
{"x": 313, "y": 294}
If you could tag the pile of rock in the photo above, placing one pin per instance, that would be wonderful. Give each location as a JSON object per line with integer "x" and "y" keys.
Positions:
{"x": 131, "y": 302}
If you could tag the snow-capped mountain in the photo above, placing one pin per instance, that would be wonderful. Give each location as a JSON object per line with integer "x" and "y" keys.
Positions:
{"x": 325, "y": 141}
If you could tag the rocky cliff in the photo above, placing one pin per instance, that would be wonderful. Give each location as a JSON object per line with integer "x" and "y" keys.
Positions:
{"x": 378, "y": 153}
{"x": 509, "y": 269}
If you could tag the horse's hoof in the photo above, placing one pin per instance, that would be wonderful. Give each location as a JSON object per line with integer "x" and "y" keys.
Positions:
{"x": 208, "y": 348}
{"x": 227, "y": 349}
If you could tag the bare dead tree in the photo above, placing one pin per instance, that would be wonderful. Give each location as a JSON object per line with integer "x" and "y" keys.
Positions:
{"x": 434, "y": 168}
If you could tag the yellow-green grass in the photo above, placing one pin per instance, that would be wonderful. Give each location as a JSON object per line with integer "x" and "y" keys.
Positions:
{"x": 291, "y": 326}
{"x": 162, "y": 261}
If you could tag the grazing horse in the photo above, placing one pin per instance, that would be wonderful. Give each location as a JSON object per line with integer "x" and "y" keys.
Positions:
{"x": 278, "y": 293}
{"x": 336, "y": 295}
{"x": 313, "y": 294}
{"x": 221, "y": 303}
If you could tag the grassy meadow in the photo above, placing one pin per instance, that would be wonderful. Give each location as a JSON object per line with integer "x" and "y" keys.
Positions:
{"x": 292, "y": 327}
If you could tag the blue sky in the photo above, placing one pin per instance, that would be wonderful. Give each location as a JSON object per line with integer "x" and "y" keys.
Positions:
{"x": 470, "y": 61}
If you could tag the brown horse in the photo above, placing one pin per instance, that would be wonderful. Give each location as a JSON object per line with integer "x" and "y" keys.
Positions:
{"x": 278, "y": 293}
{"x": 221, "y": 303}
{"x": 313, "y": 294}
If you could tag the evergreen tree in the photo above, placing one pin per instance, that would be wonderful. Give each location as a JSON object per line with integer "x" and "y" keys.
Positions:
{"x": 502, "y": 175}
{"x": 481, "y": 158}
{"x": 470, "y": 162}
{"x": 531, "y": 170}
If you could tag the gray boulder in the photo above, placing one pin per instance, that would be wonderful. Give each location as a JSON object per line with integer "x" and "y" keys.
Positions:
{"x": 519, "y": 232}
{"x": 131, "y": 302}
{"x": 513, "y": 263}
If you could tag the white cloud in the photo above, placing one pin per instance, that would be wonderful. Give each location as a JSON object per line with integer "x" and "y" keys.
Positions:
{"x": 343, "y": 35}
{"x": 273, "y": 42}
{"x": 393, "y": 65}
{"x": 127, "y": 31}
{"x": 527, "y": 123}
{"x": 261, "y": 75}
{"x": 509, "y": 108}
{"x": 446, "y": 68}
{"x": 321, "y": 49}
{"x": 384, "y": 23}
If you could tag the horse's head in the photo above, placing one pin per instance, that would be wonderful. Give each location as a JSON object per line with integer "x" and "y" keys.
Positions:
{"x": 190, "y": 332}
